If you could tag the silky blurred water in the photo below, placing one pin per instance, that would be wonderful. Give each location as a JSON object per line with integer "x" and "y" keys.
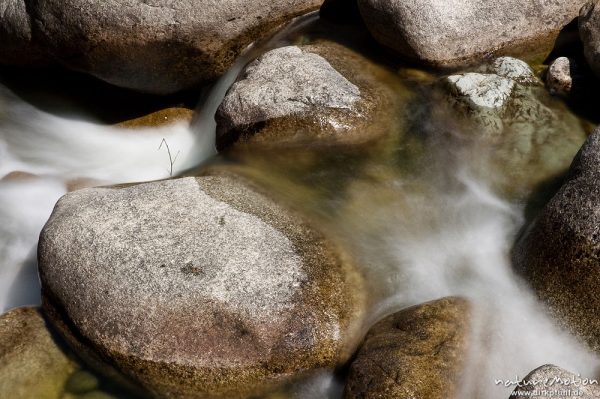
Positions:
{"x": 424, "y": 217}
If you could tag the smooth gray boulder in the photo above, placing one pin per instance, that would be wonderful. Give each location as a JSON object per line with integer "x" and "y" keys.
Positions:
{"x": 559, "y": 254}
{"x": 553, "y": 381}
{"x": 319, "y": 94}
{"x": 416, "y": 353}
{"x": 32, "y": 364}
{"x": 455, "y": 33}
{"x": 283, "y": 82}
{"x": 158, "y": 46}
{"x": 198, "y": 287}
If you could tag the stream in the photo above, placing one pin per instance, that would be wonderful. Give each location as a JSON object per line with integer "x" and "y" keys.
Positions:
{"x": 423, "y": 216}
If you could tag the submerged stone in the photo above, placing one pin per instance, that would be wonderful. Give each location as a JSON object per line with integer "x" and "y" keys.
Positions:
{"x": 514, "y": 69}
{"x": 32, "y": 365}
{"x": 416, "y": 353}
{"x": 159, "y": 118}
{"x": 532, "y": 135}
{"x": 481, "y": 90}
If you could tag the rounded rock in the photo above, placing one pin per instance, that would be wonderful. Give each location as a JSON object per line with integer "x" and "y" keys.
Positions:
{"x": 551, "y": 378}
{"x": 416, "y": 353}
{"x": 559, "y": 78}
{"x": 198, "y": 287}
{"x": 321, "y": 94}
{"x": 450, "y": 34}
{"x": 157, "y": 46}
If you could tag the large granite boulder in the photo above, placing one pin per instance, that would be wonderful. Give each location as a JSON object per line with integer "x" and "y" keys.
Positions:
{"x": 559, "y": 254}
{"x": 454, "y": 33}
{"x": 32, "y": 365}
{"x": 416, "y": 353}
{"x": 320, "y": 94}
{"x": 197, "y": 287}
{"x": 158, "y": 46}
{"x": 552, "y": 381}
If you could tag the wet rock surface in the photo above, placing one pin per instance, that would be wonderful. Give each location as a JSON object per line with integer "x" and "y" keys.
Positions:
{"x": 155, "y": 46}
{"x": 416, "y": 353}
{"x": 284, "y": 82}
{"x": 159, "y": 118}
{"x": 514, "y": 69}
{"x": 32, "y": 365}
{"x": 211, "y": 289}
{"x": 320, "y": 94}
{"x": 534, "y": 135}
{"x": 564, "y": 384}
{"x": 559, "y": 254}
{"x": 483, "y": 90}
{"x": 440, "y": 33}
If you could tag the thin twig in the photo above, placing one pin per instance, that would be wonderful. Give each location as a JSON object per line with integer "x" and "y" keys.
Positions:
{"x": 171, "y": 159}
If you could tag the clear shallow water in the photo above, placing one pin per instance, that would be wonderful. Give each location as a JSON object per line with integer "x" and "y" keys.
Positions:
{"x": 431, "y": 227}
{"x": 423, "y": 218}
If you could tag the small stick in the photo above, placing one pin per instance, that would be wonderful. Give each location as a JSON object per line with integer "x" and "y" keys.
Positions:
{"x": 171, "y": 159}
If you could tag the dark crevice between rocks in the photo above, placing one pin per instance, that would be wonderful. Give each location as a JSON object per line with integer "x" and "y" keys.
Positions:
{"x": 71, "y": 94}
{"x": 342, "y": 11}
{"x": 582, "y": 99}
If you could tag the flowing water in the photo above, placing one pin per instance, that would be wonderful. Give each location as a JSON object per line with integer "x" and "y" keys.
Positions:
{"x": 424, "y": 218}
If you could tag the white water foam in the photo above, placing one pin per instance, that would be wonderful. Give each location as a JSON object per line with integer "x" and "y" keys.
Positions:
{"x": 58, "y": 149}
{"x": 457, "y": 243}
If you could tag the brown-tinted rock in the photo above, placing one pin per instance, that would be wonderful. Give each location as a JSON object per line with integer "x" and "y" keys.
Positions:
{"x": 416, "y": 353}
{"x": 80, "y": 183}
{"x": 32, "y": 365}
{"x": 159, "y": 118}
{"x": 198, "y": 287}
{"x": 321, "y": 94}
{"x": 560, "y": 253}
{"x": 18, "y": 175}
{"x": 158, "y": 46}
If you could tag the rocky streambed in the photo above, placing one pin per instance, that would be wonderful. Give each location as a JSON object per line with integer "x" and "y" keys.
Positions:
{"x": 290, "y": 199}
